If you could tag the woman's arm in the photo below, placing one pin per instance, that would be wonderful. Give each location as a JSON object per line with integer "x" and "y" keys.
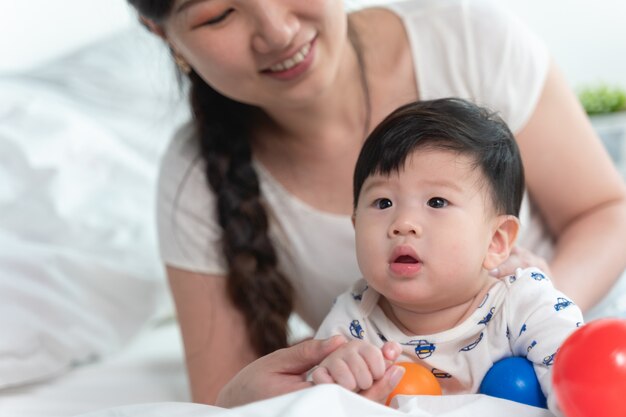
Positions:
{"x": 220, "y": 360}
{"x": 578, "y": 191}
{"x": 284, "y": 371}
{"x": 214, "y": 332}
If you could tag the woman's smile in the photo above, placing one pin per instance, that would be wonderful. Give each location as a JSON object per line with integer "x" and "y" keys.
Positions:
{"x": 295, "y": 65}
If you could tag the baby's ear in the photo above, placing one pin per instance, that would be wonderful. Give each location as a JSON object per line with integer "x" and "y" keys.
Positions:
{"x": 502, "y": 241}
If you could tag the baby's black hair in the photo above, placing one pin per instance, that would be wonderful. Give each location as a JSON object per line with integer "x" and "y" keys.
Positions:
{"x": 450, "y": 124}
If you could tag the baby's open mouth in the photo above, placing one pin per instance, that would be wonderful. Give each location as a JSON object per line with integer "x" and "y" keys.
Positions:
{"x": 405, "y": 259}
{"x": 405, "y": 263}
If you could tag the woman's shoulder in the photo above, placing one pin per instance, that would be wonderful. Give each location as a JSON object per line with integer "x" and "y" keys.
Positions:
{"x": 428, "y": 8}
{"x": 444, "y": 22}
{"x": 379, "y": 29}
{"x": 181, "y": 179}
{"x": 181, "y": 151}
{"x": 439, "y": 21}
{"x": 419, "y": 28}
{"x": 458, "y": 44}
{"x": 388, "y": 58}
{"x": 438, "y": 45}
{"x": 434, "y": 8}
{"x": 188, "y": 231}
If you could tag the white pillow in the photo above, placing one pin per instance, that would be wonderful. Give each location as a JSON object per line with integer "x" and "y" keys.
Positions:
{"x": 80, "y": 140}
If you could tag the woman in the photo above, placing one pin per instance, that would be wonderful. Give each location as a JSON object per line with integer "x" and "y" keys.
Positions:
{"x": 255, "y": 193}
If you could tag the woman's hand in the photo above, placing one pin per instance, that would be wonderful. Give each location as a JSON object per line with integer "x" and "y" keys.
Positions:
{"x": 520, "y": 258}
{"x": 277, "y": 373}
{"x": 285, "y": 370}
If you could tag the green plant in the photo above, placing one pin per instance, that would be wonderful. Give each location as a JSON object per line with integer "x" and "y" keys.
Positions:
{"x": 602, "y": 99}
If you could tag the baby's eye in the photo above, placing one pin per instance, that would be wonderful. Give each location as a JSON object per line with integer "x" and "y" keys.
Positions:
{"x": 383, "y": 203}
{"x": 437, "y": 202}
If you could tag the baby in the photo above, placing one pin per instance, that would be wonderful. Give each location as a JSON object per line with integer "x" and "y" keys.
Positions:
{"x": 437, "y": 190}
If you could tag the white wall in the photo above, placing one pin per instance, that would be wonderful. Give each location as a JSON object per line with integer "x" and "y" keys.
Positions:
{"x": 587, "y": 38}
{"x": 33, "y": 31}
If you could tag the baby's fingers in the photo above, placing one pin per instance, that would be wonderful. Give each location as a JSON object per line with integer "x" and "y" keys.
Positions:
{"x": 321, "y": 376}
{"x": 374, "y": 360}
{"x": 391, "y": 351}
{"x": 341, "y": 373}
{"x": 361, "y": 371}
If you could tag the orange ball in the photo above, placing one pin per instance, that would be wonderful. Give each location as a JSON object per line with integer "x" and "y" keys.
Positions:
{"x": 416, "y": 380}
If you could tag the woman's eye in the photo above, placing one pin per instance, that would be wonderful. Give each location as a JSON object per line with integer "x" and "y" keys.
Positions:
{"x": 437, "y": 202}
{"x": 217, "y": 19}
{"x": 383, "y": 203}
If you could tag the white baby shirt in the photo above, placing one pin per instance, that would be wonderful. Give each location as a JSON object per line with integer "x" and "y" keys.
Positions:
{"x": 523, "y": 315}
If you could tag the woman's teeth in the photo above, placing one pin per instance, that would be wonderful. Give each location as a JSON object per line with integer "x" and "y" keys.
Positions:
{"x": 293, "y": 61}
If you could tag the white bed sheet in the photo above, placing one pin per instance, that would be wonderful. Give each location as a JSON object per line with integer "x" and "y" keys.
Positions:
{"x": 149, "y": 370}
{"x": 147, "y": 379}
{"x": 331, "y": 400}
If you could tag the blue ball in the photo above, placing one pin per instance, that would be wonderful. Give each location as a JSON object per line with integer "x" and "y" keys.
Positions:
{"x": 514, "y": 379}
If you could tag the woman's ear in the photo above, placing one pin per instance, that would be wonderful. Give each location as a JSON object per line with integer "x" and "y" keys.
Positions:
{"x": 502, "y": 241}
{"x": 152, "y": 26}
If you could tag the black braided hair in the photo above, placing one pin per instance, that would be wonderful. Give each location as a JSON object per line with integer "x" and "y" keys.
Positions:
{"x": 255, "y": 285}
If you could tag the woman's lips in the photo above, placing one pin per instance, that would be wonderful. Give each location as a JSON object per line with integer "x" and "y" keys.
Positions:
{"x": 293, "y": 66}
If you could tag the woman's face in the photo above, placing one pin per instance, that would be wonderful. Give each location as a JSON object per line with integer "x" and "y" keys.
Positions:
{"x": 261, "y": 52}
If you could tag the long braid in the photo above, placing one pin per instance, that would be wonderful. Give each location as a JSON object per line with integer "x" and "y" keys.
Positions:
{"x": 255, "y": 285}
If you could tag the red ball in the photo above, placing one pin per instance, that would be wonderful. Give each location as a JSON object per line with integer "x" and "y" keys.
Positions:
{"x": 589, "y": 374}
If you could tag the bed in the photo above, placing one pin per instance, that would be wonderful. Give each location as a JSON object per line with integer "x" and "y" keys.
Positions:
{"x": 87, "y": 326}
{"x": 85, "y": 311}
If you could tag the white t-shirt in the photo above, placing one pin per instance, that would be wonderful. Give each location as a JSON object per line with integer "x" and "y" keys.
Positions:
{"x": 523, "y": 316}
{"x": 464, "y": 48}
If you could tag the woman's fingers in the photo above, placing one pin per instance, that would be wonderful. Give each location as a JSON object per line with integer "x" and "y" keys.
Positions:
{"x": 381, "y": 389}
{"x": 305, "y": 355}
{"x": 520, "y": 258}
{"x": 277, "y": 373}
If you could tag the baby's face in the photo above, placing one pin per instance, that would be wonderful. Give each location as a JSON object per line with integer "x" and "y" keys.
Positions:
{"x": 422, "y": 234}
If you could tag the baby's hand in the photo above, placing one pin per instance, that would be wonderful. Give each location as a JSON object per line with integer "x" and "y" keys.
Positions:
{"x": 356, "y": 365}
